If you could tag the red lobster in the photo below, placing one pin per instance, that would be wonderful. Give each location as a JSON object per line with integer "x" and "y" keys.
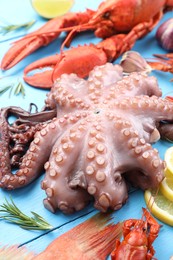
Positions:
{"x": 138, "y": 238}
{"x": 124, "y": 21}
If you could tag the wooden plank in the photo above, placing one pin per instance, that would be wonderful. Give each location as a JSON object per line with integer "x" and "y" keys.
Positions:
{"x": 132, "y": 209}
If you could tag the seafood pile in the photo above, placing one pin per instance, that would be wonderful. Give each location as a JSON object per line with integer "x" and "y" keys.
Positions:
{"x": 119, "y": 22}
{"x": 93, "y": 137}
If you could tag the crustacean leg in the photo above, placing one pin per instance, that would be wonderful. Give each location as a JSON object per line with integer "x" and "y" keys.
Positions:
{"x": 163, "y": 62}
{"x": 154, "y": 227}
{"x": 42, "y": 37}
{"x": 139, "y": 31}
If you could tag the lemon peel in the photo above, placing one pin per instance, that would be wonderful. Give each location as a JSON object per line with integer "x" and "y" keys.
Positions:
{"x": 160, "y": 206}
{"x": 166, "y": 187}
{"x": 169, "y": 162}
{"x": 52, "y": 8}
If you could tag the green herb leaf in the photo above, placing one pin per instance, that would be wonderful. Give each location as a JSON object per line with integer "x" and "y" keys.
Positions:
{"x": 14, "y": 215}
{"x": 8, "y": 28}
{"x": 19, "y": 89}
{"x": 4, "y": 89}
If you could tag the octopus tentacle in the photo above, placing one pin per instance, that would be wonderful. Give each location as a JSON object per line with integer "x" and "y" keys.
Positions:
{"x": 143, "y": 105}
{"x": 35, "y": 157}
{"x": 133, "y": 85}
{"x": 136, "y": 84}
{"x": 99, "y": 85}
{"x": 148, "y": 165}
{"x": 22, "y": 130}
{"x": 65, "y": 183}
{"x": 20, "y": 141}
{"x": 4, "y": 145}
{"x": 104, "y": 76}
{"x": 28, "y": 170}
{"x": 141, "y": 109}
{"x": 29, "y": 124}
{"x": 99, "y": 168}
{"x": 27, "y": 117}
{"x": 69, "y": 94}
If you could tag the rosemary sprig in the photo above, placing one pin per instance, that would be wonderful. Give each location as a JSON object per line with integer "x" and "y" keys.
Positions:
{"x": 14, "y": 215}
{"x": 13, "y": 27}
{"x": 18, "y": 89}
{"x": 4, "y": 89}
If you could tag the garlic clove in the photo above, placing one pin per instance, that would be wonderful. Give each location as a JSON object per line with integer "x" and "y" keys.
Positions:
{"x": 164, "y": 34}
{"x": 132, "y": 61}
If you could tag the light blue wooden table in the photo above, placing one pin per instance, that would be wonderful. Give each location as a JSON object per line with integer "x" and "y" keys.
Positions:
{"x": 30, "y": 198}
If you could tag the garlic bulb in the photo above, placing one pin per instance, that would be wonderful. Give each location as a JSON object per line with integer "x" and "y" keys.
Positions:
{"x": 164, "y": 34}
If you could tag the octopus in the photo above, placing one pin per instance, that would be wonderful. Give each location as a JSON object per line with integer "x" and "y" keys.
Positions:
{"x": 94, "y": 137}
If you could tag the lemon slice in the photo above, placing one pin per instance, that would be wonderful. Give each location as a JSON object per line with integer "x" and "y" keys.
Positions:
{"x": 166, "y": 187}
{"x": 160, "y": 207}
{"x": 169, "y": 162}
{"x": 52, "y": 8}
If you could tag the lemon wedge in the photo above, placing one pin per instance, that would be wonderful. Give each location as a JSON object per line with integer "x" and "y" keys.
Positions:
{"x": 52, "y": 8}
{"x": 166, "y": 187}
{"x": 169, "y": 162}
{"x": 160, "y": 206}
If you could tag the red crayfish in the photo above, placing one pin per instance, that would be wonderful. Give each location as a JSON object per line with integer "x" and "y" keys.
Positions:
{"x": 138, "y": 238}
{"x": 119, "y": 22}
